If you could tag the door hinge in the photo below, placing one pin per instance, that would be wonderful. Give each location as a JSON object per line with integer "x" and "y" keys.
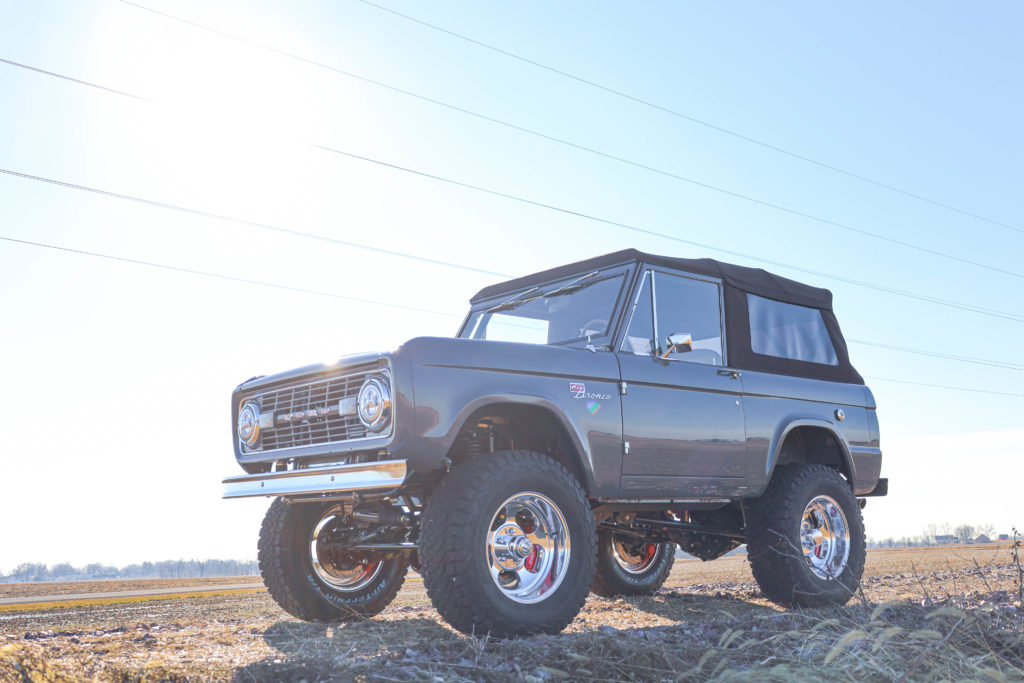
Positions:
{"x": 625, "y": 448}
{"x": 622, "y": 388}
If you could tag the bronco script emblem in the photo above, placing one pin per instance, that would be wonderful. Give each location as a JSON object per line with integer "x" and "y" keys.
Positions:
{"x": 579, "y": 390}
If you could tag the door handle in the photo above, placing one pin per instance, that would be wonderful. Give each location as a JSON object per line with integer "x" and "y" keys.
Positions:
{"x": 735, "y": 374}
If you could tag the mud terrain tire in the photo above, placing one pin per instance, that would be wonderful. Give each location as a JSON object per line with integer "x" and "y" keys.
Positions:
{"x": 774, "y": 548}
{"x": 613, "y": 579}
{"x": 460, "y": 523}
{"x": 287, "y": 570}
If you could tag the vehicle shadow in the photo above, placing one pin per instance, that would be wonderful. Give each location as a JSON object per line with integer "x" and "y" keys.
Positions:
{"x": 414, "y": 645}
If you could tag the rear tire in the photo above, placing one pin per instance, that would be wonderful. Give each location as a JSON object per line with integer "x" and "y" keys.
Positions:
{"x": 508, "y": 545}
{"x": 304, "y": 591}
{"x": 630, "y": 566}
{"x": 805, "y": 540}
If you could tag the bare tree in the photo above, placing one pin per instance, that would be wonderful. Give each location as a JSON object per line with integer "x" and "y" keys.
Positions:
{"x": 964, "y": 532}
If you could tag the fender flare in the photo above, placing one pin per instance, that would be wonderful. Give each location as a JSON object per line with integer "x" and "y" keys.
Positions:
{"x": 775, "y": 447}
{"x": 578, "y": 442}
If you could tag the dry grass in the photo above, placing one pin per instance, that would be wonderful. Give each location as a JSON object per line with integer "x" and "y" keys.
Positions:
{"x": 117, "y": 600}
{"x": 17, "y": 590}
{"x": 927, "y": 616}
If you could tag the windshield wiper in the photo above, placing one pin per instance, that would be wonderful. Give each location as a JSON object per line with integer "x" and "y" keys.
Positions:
{"x": 574, "y": 286}
{"x": 513, "y": 302}
{"x": 567, "y": 288}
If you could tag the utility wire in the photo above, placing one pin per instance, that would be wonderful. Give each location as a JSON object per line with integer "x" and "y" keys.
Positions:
{"x": 882, "y": 288}
{"x": 75, "y": 80}
{"x": 758, "y": 259}
{"x": 530, "y": 131}
{"x": 945, "y": 386}
{"x": 264, "y": 226}
{"x": 1006, "y": 365}
{"x": 220, "y": 276}
{"x": 206, "y": 214}
{"x": 252, "y": 224}
{"x": 302, "y": 290}
{"x": 693, "y": 119}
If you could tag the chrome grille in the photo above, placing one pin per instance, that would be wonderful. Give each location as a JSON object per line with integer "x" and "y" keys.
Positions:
{"x": 309, "y": 396}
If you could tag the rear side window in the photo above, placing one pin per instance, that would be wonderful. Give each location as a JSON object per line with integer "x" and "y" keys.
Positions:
{"x": 789, "y": 331}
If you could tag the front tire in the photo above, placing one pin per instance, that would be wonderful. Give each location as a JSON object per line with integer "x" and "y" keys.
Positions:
{"x": 630, "y": 566}
{"x": 508, "y": 545}
{"x": 310, "y": 578}
{"x": 806, "y": 542}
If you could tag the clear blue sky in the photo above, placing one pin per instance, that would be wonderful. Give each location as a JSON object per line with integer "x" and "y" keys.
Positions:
{"x": 116, "y": 378}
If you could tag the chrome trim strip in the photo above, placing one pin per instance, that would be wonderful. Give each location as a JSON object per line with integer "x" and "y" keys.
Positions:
{"x": 383, "y": 475}
{"x": 664, "y": 500}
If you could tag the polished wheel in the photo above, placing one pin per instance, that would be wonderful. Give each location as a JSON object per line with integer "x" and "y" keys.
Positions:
{"x": 634, "y": 556}
{"x": 528, "y": 547}
{"x": 825, "y": 537}
{"x": 337, "y": 568}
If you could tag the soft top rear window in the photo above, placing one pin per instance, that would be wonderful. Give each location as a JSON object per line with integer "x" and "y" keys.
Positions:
{"x": 789, "y": 331}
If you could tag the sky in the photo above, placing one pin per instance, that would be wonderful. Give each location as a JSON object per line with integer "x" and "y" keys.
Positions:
{"x": 116, "y": 377}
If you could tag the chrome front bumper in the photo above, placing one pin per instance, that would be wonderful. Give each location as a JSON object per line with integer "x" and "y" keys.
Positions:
{"x": 312, "y": 482}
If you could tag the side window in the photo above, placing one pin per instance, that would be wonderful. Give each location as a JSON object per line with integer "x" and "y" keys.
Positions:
{"x": 688, "y": 307}
{"x": 639, "y": 337}
{"x": 789, "y": 331}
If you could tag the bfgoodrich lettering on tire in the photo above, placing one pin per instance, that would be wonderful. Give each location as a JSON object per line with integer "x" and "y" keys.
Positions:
{"x": 630, "y": 566}
{"x": 311, "y": 576}
{"x": 806, "y": 538}
{"x": 508, "y": 545}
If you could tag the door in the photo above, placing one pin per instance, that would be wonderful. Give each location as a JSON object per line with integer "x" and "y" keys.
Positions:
{"x": 682, "y": 413}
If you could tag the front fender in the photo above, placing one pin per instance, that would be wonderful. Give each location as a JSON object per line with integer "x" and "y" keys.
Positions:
{"x": 454, "y": 378}
{"x": 445, "y": 439}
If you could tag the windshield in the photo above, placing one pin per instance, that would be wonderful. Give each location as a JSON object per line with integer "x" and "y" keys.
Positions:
{"x": 575, "y": 310}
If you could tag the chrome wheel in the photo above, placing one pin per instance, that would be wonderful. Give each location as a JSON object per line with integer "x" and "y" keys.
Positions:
{"x": 337, "y": 568}
{"x": 634, "y": 556}
{"x": 825, "y": 537}
{"x": 528, "y": 547}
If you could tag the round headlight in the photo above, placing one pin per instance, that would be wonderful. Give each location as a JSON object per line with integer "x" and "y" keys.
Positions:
{"x": 249, "y": 424}
{"x": 374, "y": 402}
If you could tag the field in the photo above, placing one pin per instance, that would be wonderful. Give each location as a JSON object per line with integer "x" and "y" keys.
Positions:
{"x": 925, "y": 615}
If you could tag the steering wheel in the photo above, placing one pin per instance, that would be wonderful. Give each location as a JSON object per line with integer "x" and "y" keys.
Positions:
{"x": 595, "y": 326}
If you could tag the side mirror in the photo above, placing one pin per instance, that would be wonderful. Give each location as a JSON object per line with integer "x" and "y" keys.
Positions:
{"x": 680, "y": 342}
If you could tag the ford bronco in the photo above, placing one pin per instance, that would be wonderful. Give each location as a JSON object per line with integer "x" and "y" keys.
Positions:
{"x": 583, "y": 423}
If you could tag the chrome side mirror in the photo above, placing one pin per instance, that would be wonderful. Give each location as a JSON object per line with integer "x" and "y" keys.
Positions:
{"x": 680, "y": 342}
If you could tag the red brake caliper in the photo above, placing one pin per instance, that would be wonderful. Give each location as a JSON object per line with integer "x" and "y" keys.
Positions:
{"x": 531, "y": 560}
{"x": 649, "y": 552}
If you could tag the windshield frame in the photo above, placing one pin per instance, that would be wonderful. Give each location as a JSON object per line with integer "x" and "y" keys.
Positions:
{"x": 625, "y": 272}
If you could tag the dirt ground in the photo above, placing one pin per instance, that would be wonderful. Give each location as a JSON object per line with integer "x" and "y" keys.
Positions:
{"x": 17, "y": 590}
{"x": 925, "y": 614}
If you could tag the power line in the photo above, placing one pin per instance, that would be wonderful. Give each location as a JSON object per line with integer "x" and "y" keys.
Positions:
{"x": 1006, "y": 365}
{"x": 945, "y": 386}
{"x": 857, "y": 283}
{"x": 220, "y": 276}
{"x": 530, "y": 131}
{"x": 693, "y": 119}
{"x": 674, "y": 238}
{"x": 206, "y": 214}
{"x": 75, "y": 80}
{"x": 252, "y": 224}
{"x": 301, "y": 290}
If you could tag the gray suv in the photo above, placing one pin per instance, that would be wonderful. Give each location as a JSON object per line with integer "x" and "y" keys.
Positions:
{"x": 584, "y": 422}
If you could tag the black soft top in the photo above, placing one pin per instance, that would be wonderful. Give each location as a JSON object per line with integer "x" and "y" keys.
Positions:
{"x": 738, "y": 281}
{"x": 754, "y": 280}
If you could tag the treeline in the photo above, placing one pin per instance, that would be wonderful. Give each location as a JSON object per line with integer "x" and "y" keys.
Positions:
{"x": 963, "y": 533}
{"x": 167, "y": 569}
